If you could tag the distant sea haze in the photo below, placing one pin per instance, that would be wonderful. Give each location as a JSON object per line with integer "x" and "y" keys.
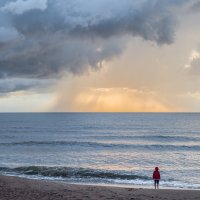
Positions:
{"x": 102, "y": 148}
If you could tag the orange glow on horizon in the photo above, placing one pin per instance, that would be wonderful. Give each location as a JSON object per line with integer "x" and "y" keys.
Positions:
{"x": 118, "y": 100}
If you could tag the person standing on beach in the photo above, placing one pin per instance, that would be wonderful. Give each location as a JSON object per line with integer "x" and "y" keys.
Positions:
{"x": 156, "y": 177}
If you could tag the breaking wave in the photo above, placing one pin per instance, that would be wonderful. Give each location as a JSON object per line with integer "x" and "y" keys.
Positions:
{"x": 68, "y": 172}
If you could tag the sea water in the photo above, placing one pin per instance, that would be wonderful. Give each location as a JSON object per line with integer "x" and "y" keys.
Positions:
{"x": 102, "y": 148}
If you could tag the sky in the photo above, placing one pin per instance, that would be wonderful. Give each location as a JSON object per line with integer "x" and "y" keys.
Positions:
{"x": 99, "y": 56}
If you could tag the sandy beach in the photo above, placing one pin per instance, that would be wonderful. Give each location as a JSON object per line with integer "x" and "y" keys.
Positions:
{"x": 24, "y": 189}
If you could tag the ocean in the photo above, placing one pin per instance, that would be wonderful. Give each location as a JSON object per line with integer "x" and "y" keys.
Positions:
{"x": 102, "y": 148}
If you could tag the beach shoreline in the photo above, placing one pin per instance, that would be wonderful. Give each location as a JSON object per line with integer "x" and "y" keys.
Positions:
{"x": 22, "y": 189}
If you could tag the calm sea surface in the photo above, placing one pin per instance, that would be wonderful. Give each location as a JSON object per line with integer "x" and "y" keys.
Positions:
{"x": 102, "y": 148}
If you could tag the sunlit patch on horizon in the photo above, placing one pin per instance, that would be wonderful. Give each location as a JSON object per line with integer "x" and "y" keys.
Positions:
{"x": 118, "y": 100}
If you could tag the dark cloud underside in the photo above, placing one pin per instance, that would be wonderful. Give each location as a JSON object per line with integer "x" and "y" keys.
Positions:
{"x": 41, "y": 41}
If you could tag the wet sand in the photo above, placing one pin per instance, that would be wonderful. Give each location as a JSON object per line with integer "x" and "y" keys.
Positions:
{"x": 14, "y": 188}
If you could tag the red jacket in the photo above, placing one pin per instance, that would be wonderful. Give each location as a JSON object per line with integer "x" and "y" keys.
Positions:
{"x": 156, "y": 175}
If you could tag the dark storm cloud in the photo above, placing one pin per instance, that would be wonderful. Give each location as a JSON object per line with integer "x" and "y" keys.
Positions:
{"x": 41, "y": 39}
{"x": 150, "y": 21}
{"x": 195, "y": 6}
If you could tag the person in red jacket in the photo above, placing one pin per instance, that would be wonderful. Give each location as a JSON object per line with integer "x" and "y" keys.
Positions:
{"x": 156, "y": 177}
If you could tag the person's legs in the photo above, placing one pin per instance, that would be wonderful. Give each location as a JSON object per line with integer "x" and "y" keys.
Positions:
{"x": 156, "y": 183}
